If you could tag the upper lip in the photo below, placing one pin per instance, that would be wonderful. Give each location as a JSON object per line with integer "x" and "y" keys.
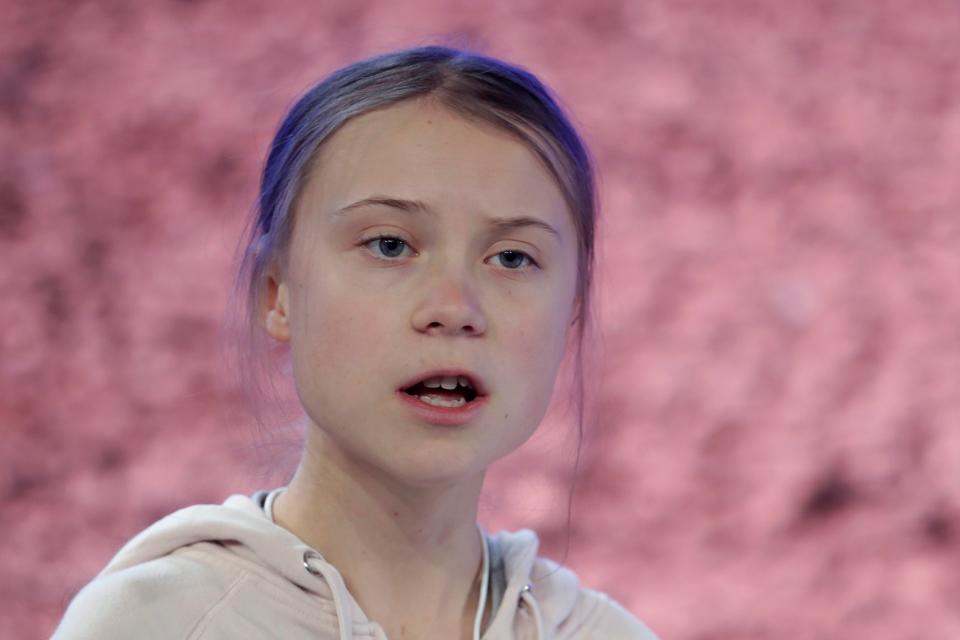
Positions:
{"x": 475, "y": 380}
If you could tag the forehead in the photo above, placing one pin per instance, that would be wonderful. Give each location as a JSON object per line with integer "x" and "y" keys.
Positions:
{"x": 422, "y": 151}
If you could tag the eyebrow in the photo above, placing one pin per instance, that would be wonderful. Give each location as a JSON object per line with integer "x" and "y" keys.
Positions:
{"x": 416, "y": 206}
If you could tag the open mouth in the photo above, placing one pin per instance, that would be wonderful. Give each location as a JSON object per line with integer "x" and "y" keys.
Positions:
{"x": 446, "y": 391}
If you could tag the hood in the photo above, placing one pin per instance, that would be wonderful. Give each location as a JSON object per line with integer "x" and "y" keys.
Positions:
{"x": 538, "y": 596}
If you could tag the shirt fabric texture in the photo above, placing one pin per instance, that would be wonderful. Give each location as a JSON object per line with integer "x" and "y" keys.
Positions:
{"x": 214, "y": 572}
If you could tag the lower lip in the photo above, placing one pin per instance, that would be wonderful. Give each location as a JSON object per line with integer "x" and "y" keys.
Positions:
{"x": 449, "y": 416}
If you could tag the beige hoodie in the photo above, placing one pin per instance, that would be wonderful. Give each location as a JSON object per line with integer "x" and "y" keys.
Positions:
{"x": 227, "y": 571}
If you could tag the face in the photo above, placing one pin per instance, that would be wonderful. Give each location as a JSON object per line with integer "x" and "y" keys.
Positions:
{"x": 446, "y": 290}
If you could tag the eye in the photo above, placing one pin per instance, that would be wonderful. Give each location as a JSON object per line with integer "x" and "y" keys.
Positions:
{"x": 513, "y": 256}
{"x": 392, "y": 246}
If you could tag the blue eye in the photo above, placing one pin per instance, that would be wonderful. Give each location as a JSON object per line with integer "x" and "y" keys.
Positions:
{"x": 388, "y": 244}
{"x": 392, "y": 248}
{"x": 515, "y": 254}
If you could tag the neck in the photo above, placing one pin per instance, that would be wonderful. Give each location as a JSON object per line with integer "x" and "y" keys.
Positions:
{"x": 410, "y": 555}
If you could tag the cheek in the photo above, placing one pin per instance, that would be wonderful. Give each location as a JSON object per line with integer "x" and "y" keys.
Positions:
{"x": 335, "y": 329}
{"x": 535, "y": 344}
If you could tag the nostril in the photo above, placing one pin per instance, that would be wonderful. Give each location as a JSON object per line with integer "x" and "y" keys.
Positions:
{"x": 467, "y": 328}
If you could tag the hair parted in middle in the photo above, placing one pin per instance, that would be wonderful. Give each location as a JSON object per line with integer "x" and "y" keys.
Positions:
{"x": 474, "y": 86}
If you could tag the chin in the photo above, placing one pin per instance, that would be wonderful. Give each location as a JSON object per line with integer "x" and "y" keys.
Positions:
{"x": 436, "y": 468}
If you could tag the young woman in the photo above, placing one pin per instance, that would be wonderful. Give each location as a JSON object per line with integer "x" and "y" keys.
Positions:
{"x": 423, "y": 245}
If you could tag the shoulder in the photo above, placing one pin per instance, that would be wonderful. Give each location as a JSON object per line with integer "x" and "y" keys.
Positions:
{"x": 597, "y": 615}
{"x": 579, "y": 612}
{"x": 566, "y": 608}
{"x": 163, "y": 598}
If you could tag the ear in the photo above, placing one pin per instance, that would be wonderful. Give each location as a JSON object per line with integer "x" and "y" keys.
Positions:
{"x": 276, "y": 318}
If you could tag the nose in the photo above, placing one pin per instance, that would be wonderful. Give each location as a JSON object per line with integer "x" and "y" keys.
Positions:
{"x": 451, "y": 307}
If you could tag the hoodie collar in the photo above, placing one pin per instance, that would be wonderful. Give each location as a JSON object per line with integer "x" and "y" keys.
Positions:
{"x": 523, "y": 613}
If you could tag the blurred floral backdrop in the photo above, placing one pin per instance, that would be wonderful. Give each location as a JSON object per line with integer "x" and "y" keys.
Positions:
{"x": 776, "y": 450}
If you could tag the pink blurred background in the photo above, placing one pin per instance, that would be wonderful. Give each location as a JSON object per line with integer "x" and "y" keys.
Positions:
{"x": 777, "y": 453}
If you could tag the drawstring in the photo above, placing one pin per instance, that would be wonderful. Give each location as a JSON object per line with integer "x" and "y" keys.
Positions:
{"x": 337, "y": 586}
{"x": 526, "y": 596}
{"x": 335, "y": 582}
{"x": 484, "y": 585}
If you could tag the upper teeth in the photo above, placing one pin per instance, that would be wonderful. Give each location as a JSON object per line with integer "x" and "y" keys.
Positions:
{"x": 447, "y": 382}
